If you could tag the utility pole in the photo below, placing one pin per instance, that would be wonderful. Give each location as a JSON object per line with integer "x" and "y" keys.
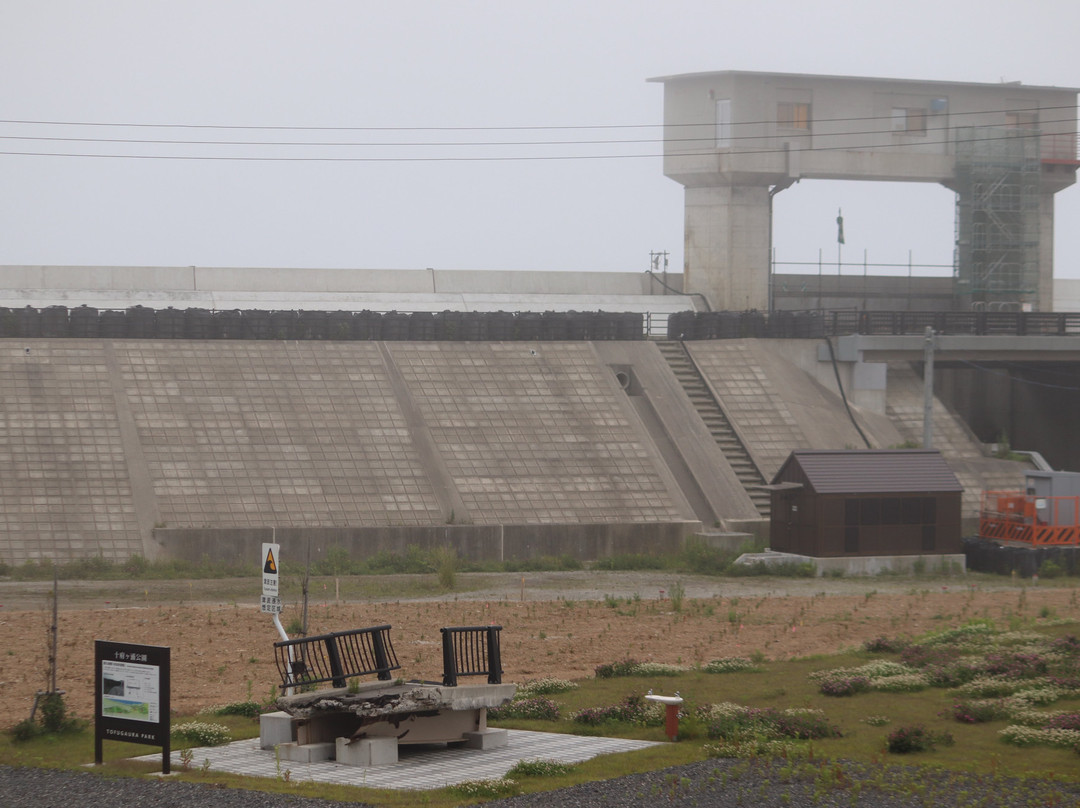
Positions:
{"x": 654, "y": 263}
{"x": 928, "y": 389}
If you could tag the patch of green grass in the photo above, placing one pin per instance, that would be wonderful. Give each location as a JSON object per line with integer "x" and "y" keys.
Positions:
{"x": 633, "y": 562}
{"x": 865, "y": 721}
{"x": 696, "y": 557}
{"x": 98, "y": 568}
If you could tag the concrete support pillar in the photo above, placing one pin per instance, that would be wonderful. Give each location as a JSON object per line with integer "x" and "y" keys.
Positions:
{"x": 727, "y": 245}
{"x": 1046, "y": 251}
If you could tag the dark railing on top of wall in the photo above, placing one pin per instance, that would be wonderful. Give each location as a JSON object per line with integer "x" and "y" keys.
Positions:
{"x": 815, "y": 324}
{"x": 141, "y": 322}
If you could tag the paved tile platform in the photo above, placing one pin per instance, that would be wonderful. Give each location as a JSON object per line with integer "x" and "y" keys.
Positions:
{"x": 418, "y": 767}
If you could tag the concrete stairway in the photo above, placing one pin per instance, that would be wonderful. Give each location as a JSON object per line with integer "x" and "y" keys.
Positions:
{"x": 712, "y": 415}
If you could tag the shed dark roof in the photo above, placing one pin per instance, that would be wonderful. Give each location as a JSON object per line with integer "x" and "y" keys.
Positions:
{"x": 873, "y": 471}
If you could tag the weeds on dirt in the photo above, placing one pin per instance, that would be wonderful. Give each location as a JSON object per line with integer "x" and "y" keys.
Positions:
{"x": 51, "y": 719}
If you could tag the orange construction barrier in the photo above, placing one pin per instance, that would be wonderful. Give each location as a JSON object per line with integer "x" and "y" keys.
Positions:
{"x": 1038, "y": 521}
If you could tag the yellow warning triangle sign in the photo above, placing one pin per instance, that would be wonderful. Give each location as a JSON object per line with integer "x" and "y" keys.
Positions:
{"x": 271, "y": 565}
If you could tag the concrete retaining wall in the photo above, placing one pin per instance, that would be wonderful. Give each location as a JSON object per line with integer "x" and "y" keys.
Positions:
{"x": 585, "y": 542}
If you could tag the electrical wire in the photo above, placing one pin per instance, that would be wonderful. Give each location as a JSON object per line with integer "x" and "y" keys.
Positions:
{"x": 1015, "y": 379}
{"x": 495, "y": 158}
{"x": 1004, "y": 110}
{"x": 672, "y": 289}
{"x": 843, "y": 395}
{"x": 606, "y": 142}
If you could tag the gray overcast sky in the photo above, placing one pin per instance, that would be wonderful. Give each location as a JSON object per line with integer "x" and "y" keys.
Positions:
{"x": 407, "y": 65}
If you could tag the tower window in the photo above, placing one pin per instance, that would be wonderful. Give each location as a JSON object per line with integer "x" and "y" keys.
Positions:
{"x": 910, "y": 120}
{"x": 793, "y": 115}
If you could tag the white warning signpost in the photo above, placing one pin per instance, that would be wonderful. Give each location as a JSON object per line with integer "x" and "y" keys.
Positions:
{"x": 271, "y": 600}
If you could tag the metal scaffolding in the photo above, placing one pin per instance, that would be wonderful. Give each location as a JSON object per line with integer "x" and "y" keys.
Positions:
{"x": 997, "y": 218}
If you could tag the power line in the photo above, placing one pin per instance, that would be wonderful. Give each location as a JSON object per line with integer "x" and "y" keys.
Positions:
{"x": 1017, "y": 379}
{"x": 445, "y": 143}
{"x": 491, "y": 128}
{"x": 508, "y": 158}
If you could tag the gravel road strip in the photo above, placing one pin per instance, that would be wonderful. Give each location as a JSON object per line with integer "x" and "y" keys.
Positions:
{"x": 708, "y": 784}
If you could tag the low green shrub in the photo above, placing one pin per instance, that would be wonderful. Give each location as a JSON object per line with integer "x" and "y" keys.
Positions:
{"x": 991, "y": 687}
{"x": 562, "y": 563}
{"x": 633, "y": 710}
{"x": 445, "y": 561}
{"x": 1035, "y": 736}
{"x": 484, "y": 789}
{"x": 26, "y": 730}
{"x": 916, "y": 738}
{"x": 1051, "y": 569}
{"x": 537, "y": 708}
{"x": 539, "y": 768}
{"x": 547, "y": 686}
{"x": 631, "y": 667}
{"x": 658, "y": 669}
{"x": 700, "y": 558}
{"x": 751, "y": 748}
{"x": 977, "y": 711}
{"x": 54, "y": 717}
{"x": 903, "y": 683}
{"x": 247, "y": 709}
{"x": 844, "y": 685}
{"x": 630, "y": 562}
{"x": 733, "y": 722}
{"x": 885, "y": 645}
{"x": 729, "y": 665}
{"x": 610, "y": 670}
{"x": 201, "y": 733}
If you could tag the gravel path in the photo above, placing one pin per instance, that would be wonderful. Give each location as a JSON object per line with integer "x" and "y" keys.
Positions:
{"x": 744, "y": 784}
{"x": 708, "y": 784}
{"x": 50, "y": 788}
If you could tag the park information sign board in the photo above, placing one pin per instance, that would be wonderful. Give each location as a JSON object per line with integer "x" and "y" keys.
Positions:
{"x": 131, "y": 696}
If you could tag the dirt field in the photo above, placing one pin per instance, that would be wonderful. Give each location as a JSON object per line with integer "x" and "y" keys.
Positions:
{"x": 554, "y": 624}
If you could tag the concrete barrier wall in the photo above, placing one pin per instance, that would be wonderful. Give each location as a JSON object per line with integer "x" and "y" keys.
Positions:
{"x": 584, "y": 542}
{"x": 307, "y": 279}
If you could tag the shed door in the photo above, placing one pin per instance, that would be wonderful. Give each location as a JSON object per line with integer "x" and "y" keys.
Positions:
{"x": 785, "y": 519}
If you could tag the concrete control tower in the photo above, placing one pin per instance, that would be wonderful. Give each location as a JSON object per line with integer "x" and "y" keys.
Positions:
{"x": 735, "y": 139}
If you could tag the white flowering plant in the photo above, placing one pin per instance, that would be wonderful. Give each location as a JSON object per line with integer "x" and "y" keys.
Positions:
{"x": 201, "y": 733}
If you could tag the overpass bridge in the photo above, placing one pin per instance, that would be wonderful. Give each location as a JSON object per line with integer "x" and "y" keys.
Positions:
{"x": 956, "y": 348}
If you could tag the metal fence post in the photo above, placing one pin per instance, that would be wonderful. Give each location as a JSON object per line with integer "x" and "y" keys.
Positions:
{"x": 494, "y": 656}
{"x": 448, "y": 660}
{"x": 380, "y": 655}
{"x": 336, "y": 670}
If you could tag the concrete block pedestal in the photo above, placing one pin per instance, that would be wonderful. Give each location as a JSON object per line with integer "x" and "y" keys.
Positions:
{"x": 306, "y": 752}
{"x": 486, "y": 739}
{"x": 367, "y": 751}
{"x": 275, "y": 728}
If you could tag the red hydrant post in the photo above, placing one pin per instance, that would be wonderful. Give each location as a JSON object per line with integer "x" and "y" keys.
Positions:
{"x": 672, "y": 706}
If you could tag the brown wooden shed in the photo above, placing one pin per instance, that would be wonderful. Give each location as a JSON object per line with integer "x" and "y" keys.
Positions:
{"x": 874, "y": 502}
